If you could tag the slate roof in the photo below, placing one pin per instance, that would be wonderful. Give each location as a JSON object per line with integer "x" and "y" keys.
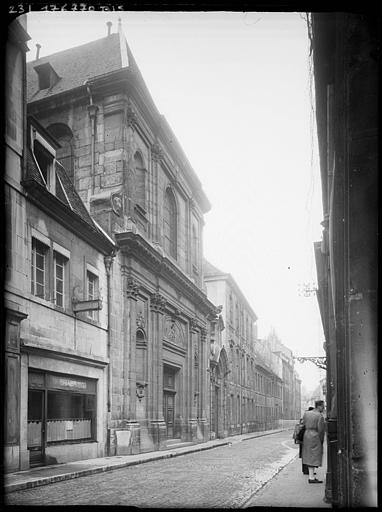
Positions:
{"x": 209, "y": 269}
{"x": 76, "y": 65}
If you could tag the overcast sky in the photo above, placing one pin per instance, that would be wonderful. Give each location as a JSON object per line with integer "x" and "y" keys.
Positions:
{"x": 235, "y": 88}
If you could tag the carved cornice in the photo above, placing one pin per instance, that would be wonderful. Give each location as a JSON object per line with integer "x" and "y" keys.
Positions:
{"x": 157, "y": 303}
{"x": 194, "y": 324}
{"x": 131, "y": 117}
{"x": 133, "y": 244}
{"x": 132, "y": 288}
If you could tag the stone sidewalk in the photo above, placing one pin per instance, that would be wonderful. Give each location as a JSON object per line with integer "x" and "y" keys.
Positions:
{"x": 49, "y": 474}
{"x": 290, "y": 488}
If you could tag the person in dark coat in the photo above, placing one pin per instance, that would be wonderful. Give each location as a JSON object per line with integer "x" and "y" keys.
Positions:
{"x": 312, "y": 448}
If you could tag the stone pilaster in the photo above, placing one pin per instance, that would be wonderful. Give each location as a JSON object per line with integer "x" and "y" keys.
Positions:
{"x": 155, "y": 370}
{"x": 131, "y": 293}
{"x": 156, "y": 157}
{"x": 192, "y": 378}
{"x": 204, "y": 396}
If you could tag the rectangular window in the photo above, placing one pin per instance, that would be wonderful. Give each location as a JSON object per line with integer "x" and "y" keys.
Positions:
{"x": 39, "y": 268}
{"x": 92, "y": 292}
{"x": 59, "y": 279}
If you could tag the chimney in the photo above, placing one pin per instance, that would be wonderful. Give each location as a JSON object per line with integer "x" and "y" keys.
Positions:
{"x": 109, "y": 24}
{"x": 38, "y": 46}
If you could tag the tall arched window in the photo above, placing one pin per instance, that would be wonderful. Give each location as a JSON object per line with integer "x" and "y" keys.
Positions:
{"x": 64, "y": 136}
{"x": 170, "y": 221}
{"x": 195, "y": 248}
{"x": 140, "y": 180}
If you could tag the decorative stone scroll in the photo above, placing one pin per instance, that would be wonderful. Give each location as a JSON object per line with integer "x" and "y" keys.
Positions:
{"x": 116, "y": 203}
{"x": 157, "y": 303}
{"x": 203, "y": 334}
{"x": 132, "y": 288}
{"x": 156, "y": 152}
{"x": 194, "y": 324}
{"x": 131, "y": 117}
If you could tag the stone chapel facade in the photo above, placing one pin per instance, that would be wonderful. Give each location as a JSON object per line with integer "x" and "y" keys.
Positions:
{"x": 130, "y": 171}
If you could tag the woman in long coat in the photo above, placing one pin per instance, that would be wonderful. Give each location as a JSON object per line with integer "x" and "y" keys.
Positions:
{"x": 312, "y": 447}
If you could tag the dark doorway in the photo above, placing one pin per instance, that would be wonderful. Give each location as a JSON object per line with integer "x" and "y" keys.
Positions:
{"x": 36, "y": 430}
{"x": 169, "y": 398}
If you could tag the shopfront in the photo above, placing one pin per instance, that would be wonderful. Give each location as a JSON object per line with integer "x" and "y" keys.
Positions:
{"x": 62, "y": 409}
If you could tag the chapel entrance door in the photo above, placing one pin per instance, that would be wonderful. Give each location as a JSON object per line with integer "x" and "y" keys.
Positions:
{"x": 169, "y": 398}
{"x": 169, "y": 412}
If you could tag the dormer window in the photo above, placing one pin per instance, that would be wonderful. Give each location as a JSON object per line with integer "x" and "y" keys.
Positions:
{"x": 45, "y": 162}
{"x": 47, "y": 77}
{"x": 44, "y": 154}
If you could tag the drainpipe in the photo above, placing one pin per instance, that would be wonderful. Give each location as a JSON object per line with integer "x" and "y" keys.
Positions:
{"x": 92, "y": 109}
{"x": 108, "y": 263}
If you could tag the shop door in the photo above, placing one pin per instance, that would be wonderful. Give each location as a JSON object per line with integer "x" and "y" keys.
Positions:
{"x": 36, "y": 427}
{"x": 168, "y": 412}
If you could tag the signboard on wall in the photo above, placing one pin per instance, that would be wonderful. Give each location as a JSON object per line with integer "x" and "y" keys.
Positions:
{"x": 70, "y": 383}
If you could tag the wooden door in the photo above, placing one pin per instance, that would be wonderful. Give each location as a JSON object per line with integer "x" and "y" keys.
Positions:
{"x": 169, "y": 412}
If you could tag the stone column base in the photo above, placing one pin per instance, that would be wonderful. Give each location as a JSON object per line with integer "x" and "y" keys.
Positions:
{"x": 158, "y": 434}
{"x": 192, "y": 429}
{"x": 204, "y": 428}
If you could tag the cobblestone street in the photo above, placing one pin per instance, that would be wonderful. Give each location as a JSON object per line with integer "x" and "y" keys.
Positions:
{"x": 221, "y": 477}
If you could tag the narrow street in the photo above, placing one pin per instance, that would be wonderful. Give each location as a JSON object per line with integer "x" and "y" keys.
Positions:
{"x": 225, "y": 477}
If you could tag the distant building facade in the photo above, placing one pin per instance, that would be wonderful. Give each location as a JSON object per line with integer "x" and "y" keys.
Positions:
{"x": 248, "y": 378}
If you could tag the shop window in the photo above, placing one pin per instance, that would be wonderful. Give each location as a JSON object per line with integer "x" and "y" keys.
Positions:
{"x": 70, "y": 416}
{"x": 39, "y": 268}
